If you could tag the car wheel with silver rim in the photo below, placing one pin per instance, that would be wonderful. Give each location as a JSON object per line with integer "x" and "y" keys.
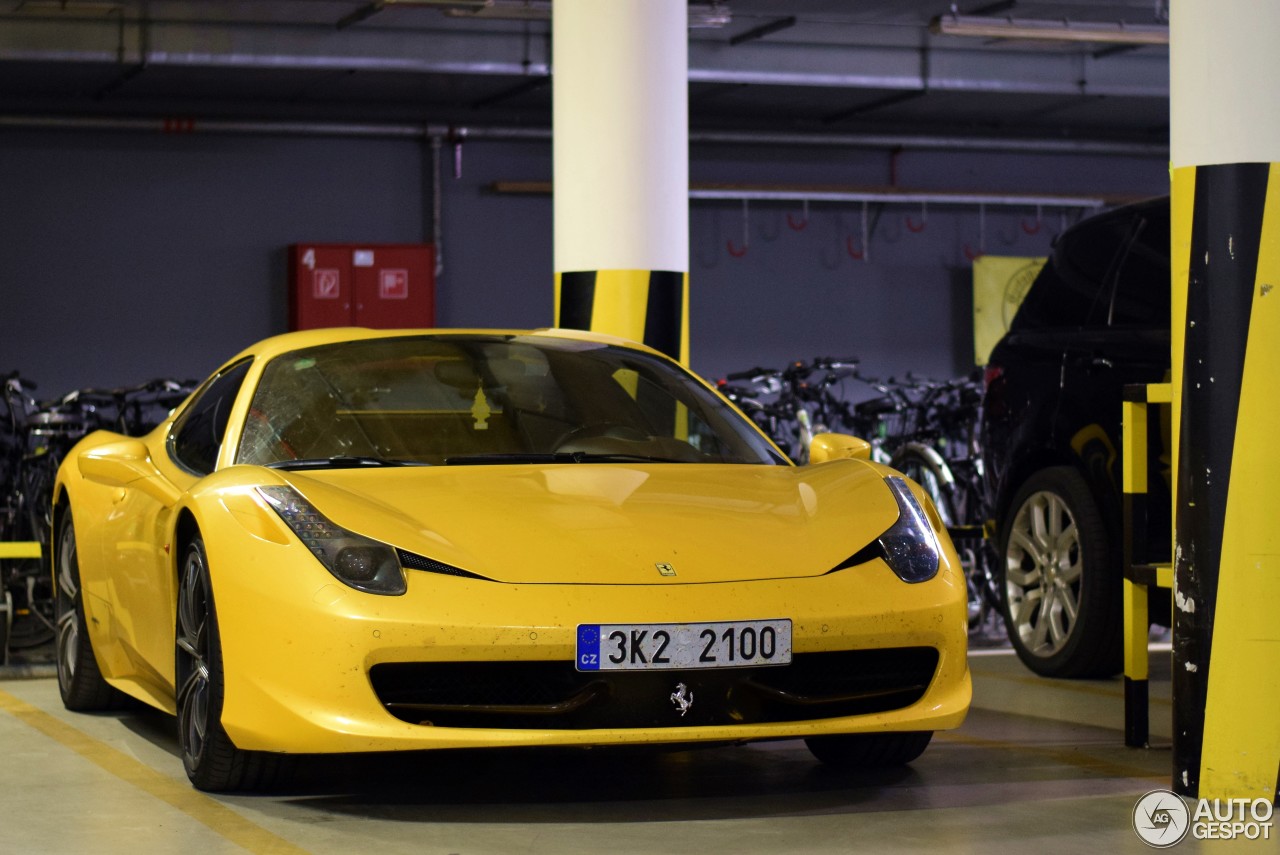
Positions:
{"x": 1060, "y": 581}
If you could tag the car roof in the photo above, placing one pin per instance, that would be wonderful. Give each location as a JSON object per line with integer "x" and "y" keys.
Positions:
{"x": 271, "y": 347}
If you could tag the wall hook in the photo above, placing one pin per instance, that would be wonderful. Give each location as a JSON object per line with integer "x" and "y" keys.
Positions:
{"x": 915, "y": 227}
{"x": 855, "y": 254}
{"x": 1035, "y": 228}
{"x": 969, "y": 253}
{"x": 803, "y": 223}
{"x": 861, "y": 253}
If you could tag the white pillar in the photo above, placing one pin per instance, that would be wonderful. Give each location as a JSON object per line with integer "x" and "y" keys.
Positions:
{"x": 621, "y": 168}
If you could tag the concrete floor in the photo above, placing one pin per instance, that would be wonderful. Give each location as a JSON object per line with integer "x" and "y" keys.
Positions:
{"x": 1038, "y": 767}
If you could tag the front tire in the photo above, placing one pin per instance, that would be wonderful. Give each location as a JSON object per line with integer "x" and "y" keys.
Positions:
{"x": 1062, "y": 600}
{"x": 869, "y": 750}
{"x": 80, "y": 681}
{"x": 211, "y": 759}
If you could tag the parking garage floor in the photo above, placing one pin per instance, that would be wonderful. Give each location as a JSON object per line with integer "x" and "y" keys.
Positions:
{"x": 1039, "y": 766}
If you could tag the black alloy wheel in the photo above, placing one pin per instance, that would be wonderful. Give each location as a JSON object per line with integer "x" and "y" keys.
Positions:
{"x": 80, "y": 681}
{"x": 211, "y": 759}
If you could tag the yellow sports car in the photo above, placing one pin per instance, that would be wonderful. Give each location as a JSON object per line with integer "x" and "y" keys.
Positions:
{"x": 354, "y": 540}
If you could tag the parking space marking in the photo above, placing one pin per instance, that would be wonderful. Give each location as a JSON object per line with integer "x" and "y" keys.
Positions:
{"x": 178, "y": 794}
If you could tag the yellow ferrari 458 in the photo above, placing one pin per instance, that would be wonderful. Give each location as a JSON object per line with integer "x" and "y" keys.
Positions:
{"x": 353, "y": 540}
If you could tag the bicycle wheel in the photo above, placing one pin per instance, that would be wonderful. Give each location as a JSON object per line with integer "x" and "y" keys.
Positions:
{"x": 34, "y": 624}
{"x": 927, "y": 468}
{"x": 974, "y": 513}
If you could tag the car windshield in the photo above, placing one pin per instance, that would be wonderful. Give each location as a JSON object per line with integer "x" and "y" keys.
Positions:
{"x": 486, "y": 399}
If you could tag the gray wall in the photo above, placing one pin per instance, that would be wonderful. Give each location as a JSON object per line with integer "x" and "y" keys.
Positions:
{"x": 127, "y": 256}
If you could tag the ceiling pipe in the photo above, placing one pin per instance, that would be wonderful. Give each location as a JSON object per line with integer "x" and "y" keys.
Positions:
{"x": 896, "y": 197}
{"x": 805, "y": 194}
{"x": 519, "y": 134}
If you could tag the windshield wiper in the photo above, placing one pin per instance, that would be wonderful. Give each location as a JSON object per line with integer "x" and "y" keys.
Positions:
{"x": 340, "y": 462}
{"x": 554, "y": 457}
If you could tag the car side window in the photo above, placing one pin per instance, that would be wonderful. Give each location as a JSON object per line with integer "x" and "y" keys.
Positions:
{"x": 1109, "y": 271}
{"x": 1142, "y": 286}
{"x": 1066, "y": 293}
{"x": 197, "y": 437}
{"x": 1056, "y": 300}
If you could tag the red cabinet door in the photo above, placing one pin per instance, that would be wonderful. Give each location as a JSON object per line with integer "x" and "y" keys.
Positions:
{"x": 384, "y": 286}
{"x": 320, "y": 287}
{"x": 394, "y": 286}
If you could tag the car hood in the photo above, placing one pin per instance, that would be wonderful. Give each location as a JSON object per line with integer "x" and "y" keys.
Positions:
{"x": 614, "y": 523}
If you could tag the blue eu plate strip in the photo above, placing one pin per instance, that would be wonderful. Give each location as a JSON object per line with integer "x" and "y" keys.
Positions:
{"x": 589, "y": 647}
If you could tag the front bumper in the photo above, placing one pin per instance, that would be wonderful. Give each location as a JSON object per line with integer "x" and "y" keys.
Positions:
{"x": 301, "y": 668}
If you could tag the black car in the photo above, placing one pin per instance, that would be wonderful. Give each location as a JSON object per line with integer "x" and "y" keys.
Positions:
{"x": 1095, "y": 319}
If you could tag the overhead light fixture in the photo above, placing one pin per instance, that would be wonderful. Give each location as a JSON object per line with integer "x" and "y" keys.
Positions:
{"x": 516, "y": 10}
{"x": 709, "y": 15}
{"x": 88, "y": 9}
{"x": 704, "y": 15}
{"x": 714, "y": 14}
{"x": 1046, "y": 30}
{"x": 370, "y": 9}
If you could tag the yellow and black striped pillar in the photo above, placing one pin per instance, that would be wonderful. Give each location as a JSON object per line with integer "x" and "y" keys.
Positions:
{"x": 1226, "y": 407}
{"x": 621, "y": 168}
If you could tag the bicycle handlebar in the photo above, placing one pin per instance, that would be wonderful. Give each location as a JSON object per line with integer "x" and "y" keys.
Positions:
{"x": 17, "y": 383}
{"x": 751, "y": 374}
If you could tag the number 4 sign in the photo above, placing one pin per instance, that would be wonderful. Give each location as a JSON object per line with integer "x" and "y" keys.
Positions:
{"x": 393, "y": 284}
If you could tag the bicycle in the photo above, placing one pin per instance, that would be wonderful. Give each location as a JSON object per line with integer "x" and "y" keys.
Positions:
{"x": 923, "y": 428}
{"x": 941, "y": 454}
{"x": 36, "y": 437}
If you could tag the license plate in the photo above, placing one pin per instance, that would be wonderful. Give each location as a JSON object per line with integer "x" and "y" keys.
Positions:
{"x": 671, "y": 646}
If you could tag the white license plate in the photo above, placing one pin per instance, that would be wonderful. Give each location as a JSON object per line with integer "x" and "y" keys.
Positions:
{"x": 670, "y": 646}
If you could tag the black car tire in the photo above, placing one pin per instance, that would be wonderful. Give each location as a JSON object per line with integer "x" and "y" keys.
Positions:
{"x": 80, "y": 681}
{"x": 211, "y": 759}
{"x": 1055, "y": 560}
{"x": 869, "y": 750}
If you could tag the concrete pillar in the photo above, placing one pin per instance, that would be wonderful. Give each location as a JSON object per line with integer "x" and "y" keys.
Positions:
{"x": 621, "y": 147}
{"x": 1226, "y": 381}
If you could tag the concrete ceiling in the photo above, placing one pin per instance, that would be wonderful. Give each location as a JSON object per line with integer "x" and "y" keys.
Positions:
{"x": 764, "y": 68}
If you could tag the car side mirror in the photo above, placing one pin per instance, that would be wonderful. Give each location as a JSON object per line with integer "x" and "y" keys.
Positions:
{"x": 838, "y": 446}
{"x": 126, "y": 464}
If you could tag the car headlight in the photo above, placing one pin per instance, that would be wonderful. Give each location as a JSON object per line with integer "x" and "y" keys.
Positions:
{"x": 909, "y": 547}
{"x": 353, "y": 559}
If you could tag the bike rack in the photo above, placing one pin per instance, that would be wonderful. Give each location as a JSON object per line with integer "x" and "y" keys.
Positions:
{"x": 1139, "y": 573}
{"x": 13, "y": 550}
